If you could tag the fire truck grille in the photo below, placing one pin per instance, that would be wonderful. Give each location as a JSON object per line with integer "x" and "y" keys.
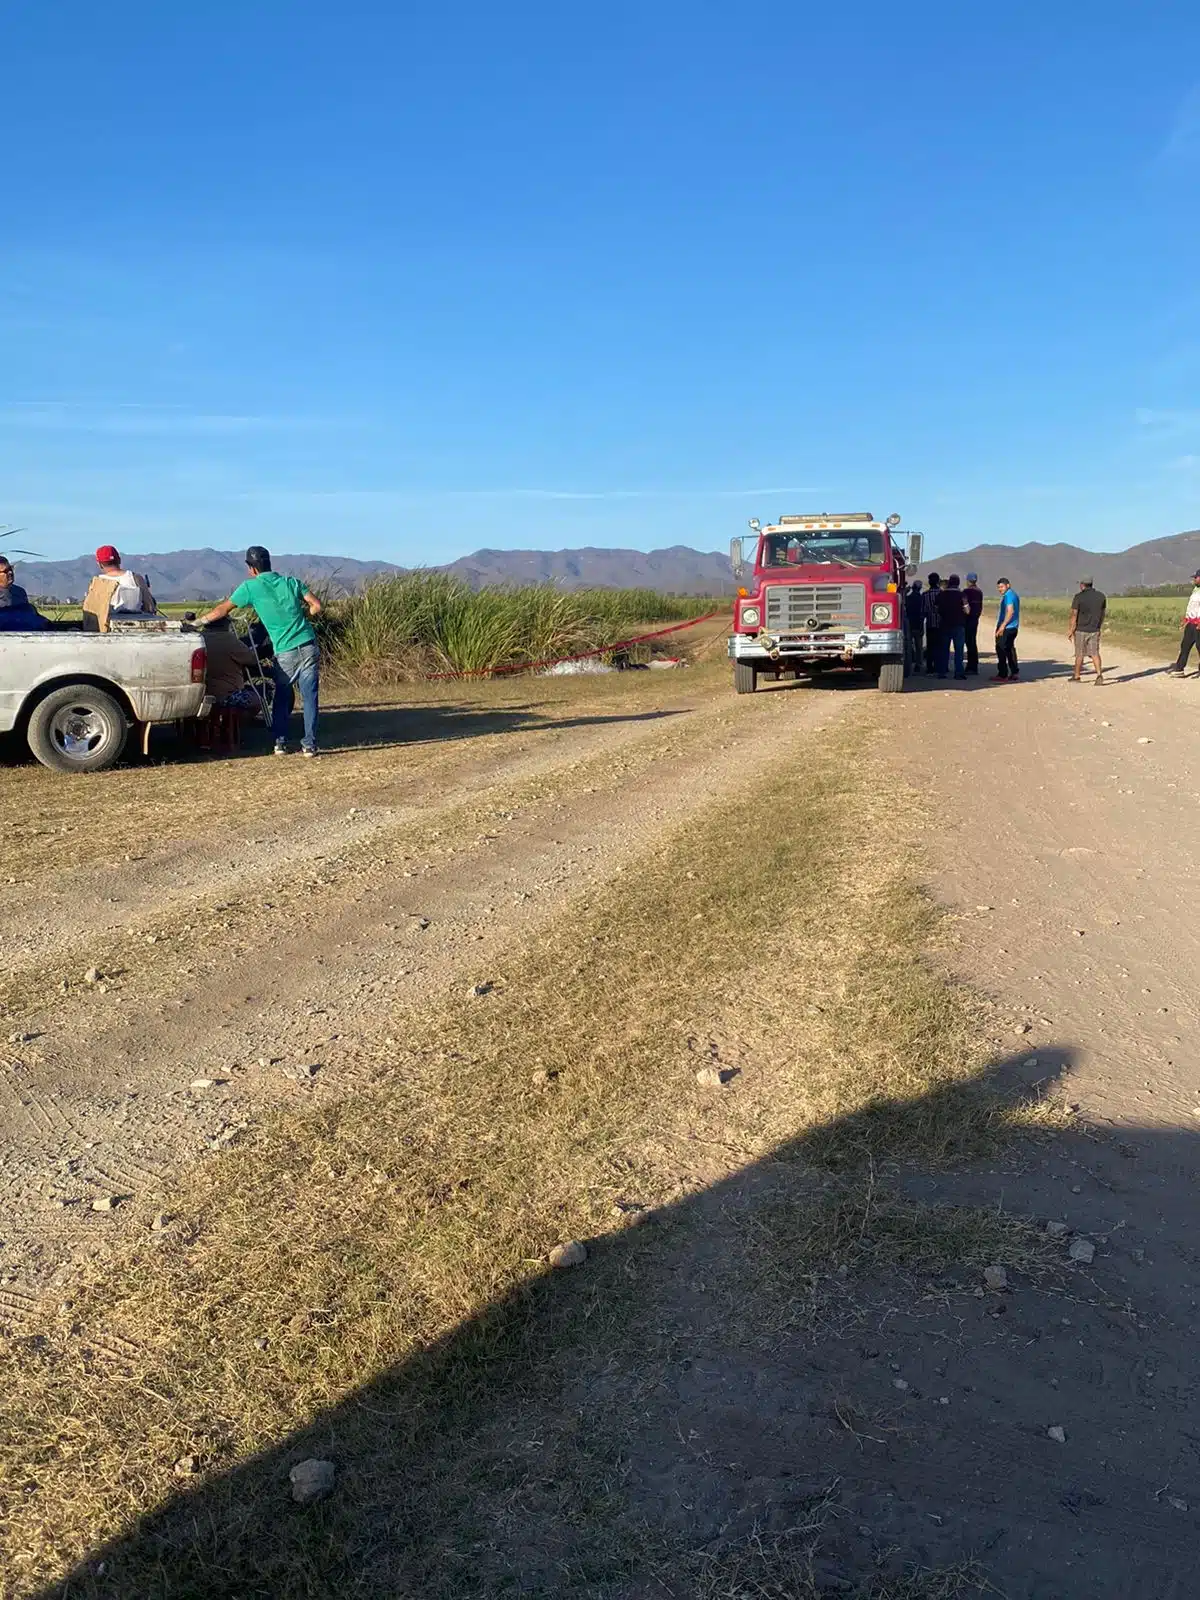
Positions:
{"x": 815, "y": 607}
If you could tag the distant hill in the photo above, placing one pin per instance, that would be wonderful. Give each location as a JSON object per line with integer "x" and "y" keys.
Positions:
{"x": 1035, "y": 569}
{"x": 1055, "y": 569}
{"x": 211, "y": 574}
{"x": 190, "y": 574}
{"x": 677, "y": 569}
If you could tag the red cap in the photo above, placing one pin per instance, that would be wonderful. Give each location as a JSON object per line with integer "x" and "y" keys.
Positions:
{"x": 108, "y": 555}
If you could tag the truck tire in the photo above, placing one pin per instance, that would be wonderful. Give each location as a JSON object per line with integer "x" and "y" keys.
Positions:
{"x": 745, "y": 677}
{"x": 78, "y": 729}
{"x": 891, "y": 676}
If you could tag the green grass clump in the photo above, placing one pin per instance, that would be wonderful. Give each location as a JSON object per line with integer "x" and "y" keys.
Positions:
{"x": 420, "y": 622}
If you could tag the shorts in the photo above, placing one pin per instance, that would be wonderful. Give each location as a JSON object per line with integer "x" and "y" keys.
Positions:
{"x": 1087, "y": 644}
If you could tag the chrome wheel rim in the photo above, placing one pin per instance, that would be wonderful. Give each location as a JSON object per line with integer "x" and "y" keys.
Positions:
{"x": 77, "y": 731}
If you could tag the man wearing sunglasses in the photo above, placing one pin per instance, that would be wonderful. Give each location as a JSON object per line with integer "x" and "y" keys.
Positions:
{"x": 17, "y": 614}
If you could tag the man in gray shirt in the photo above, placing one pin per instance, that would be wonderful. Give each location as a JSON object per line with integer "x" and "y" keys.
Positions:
{"x": 1087, "y": 619}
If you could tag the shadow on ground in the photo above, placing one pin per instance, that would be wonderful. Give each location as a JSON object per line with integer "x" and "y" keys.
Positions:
{"x": 346, "y": 729}
{"x": 849, "y": 681}
{"x": 357, "y": 727}
{"x": 781, "y": 1386}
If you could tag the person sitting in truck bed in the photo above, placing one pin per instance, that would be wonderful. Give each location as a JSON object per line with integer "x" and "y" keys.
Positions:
{"x": 17, "y": 612}
{"x": 115, "y": 592}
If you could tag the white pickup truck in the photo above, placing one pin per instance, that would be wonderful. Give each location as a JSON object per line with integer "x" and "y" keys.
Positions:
{"x": 75, "y": 696}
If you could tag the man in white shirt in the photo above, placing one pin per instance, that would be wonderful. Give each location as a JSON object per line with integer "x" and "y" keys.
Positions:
{"x": 1191, "y": 627}
{"x": 115, "y": 591}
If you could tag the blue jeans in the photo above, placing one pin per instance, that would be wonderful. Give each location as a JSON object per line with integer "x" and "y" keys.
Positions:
{"x": 300, "y": 666}
{"x": 946, "y": 638}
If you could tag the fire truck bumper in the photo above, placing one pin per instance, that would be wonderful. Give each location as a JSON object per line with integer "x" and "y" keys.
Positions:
{"x": 872, "y": 645}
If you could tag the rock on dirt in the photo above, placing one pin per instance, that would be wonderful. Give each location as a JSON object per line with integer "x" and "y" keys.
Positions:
{"x": 1056, "y": 1230}
{"x": 105, "y": 1202}
{"x": 186, "y": 1466}
{"x": 312, "y": 1480}
{"x": 1082, "y": 1250}
{"x": 1059, "y": 1435}
{"x": 92, "y": 975}
{"x": 995, "y": 1278}
{"x": 710, "y": 1077}
{"x": 570, "y": 1254}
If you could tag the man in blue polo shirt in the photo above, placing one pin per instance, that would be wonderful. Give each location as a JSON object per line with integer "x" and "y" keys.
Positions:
{"x": 285, "y": 609}
{"x": 1008, "y": 620}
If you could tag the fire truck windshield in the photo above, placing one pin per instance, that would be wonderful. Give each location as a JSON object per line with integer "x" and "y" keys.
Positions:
{"x": 809, "y": 546}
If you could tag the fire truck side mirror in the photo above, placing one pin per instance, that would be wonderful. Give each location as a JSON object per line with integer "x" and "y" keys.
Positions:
{"x": 736, "y": 560}
{"x": 916, "y": 549}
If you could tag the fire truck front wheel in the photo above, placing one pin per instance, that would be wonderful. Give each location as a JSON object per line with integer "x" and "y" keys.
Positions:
{"x": 745, "y": 677}
{"x": 891, "y": 676}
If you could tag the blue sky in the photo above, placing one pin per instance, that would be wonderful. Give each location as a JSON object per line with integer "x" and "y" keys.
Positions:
{"x": 404, "y": 280}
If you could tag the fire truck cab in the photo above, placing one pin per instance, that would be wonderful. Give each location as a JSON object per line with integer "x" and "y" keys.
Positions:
{"x": 826, "y": 590}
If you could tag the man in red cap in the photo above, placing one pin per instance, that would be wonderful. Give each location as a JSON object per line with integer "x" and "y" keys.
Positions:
{"x": 115, "y": 591}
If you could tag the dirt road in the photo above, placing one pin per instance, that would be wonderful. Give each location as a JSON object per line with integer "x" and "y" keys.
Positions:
{"x": 246, "y": 948}
{"x": 1064, "y": 815}
{"x": 249, "y": 952}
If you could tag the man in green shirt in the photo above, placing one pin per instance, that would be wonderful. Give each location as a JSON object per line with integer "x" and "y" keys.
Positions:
{"x": 285, "y": 609}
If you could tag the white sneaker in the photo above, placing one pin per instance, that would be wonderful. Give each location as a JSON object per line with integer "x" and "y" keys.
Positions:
{"x": 281, "y": 749}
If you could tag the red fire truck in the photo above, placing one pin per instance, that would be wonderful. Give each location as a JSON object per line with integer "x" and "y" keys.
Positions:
{"x": 827, "y": 591}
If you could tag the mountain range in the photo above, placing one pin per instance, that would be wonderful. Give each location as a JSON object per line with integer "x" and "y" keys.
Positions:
{"x": 1034, "y": 569}
{"x": 212, "y": 574}
{"x": 1055, "y": 569}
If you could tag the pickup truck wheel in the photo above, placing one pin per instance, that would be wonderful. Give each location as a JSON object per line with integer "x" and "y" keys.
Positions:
{"x": 78, "y": 729}
{"x": 891, "y": 676}
{"x": 745, "y": 678}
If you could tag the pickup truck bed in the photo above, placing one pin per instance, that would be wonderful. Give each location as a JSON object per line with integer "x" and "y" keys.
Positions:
{"x": 75, "y": 695}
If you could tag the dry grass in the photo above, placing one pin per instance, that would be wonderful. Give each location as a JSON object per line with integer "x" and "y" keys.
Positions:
{"x": 1149, "y": 625}
{"x": 375, "y": 1270}
{"x": 371, "y": 751}
{"x": 789, "y": 1570}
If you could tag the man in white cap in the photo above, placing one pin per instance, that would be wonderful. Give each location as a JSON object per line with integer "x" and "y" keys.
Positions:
{"x": 973, "y": 595}
{"x": 1191, "y": 627}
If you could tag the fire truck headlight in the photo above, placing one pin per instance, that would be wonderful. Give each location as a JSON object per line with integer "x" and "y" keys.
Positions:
{"x": 879, "y": 613}
{"x": 751, "y": 616}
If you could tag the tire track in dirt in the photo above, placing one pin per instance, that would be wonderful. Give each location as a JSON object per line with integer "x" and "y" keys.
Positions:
{"x": 104, "y": 1084}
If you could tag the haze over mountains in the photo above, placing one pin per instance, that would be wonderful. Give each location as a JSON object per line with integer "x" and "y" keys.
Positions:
{"x": 1054, "y": 569}
{"x": 1035, "y": 569}
{"x": 211, "y": 574}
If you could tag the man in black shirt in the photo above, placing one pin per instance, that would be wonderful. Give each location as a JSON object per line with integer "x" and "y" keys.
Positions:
{"x": 914, "y": 611}
{"x": 1087, "y": 619}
